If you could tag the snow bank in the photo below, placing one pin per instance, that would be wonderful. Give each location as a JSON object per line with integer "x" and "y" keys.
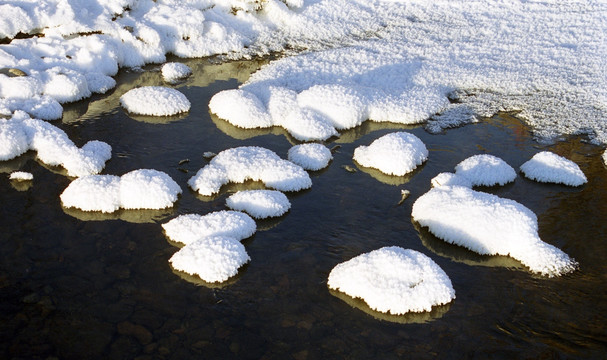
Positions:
{"x": 54, "y": 148}
{"x": 489, "y": 225}
{"x": 172, "y": 72}
{"x": 21, "y": 176}
{"x": 310, "y": 156}
{"x": 155, "y": 101}
{"x": 549, "y": 167}
{"x": 249, "y": 163}
{"x": 394, "y": 280}
{"x": 450, "y": 179}
{"x": 393, "y": 154}
{"x": 138, "y": 189}
{"x": 213, "y": 259}
{"x": 485, "y": 170}
{"x": 260, "y": 204}
{"x": 186, "y": 229}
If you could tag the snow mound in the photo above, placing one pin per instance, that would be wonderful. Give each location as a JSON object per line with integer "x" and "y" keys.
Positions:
{"x": 310, "y": 156}
{"x": 21, "y": 176}
{"x": 486, "y": 170}
{"x": 186, "y": 229}
{"x": 213, "y": 259}
{"x": 549, "y": 167}
{"x": 393, "y": 154}
{"x": 155, "y": 101}
{"x": 54, "y": 148}
{"x": 489, "y": 225}
{"x": 138, "y": 189}
{"x": 393, "y": 280}
{"x": 173, "y": 71}
{"x": 249, "y": 163}
{"x": 450, "y": 179}
{"x": 260, "y": 204}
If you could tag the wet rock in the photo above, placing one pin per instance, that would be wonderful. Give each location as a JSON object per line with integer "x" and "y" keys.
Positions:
{"x": 143, "y": 335}
{"x": 12, "y": 72}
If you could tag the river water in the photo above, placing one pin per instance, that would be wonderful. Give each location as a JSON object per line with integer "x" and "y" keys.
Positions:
{"x": 77, "y": 285}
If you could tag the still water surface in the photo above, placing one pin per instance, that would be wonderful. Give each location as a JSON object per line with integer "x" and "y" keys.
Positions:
{"x": 77, "y": 285}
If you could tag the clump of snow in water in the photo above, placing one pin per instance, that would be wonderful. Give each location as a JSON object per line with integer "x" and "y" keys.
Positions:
{"x": 185, "y": 229}
{"x": 310, "y": 156}
{"x": 393, "y": 154}
{"x": 605, "y": 157}
{"x": 249, "y": 163}
{"x": 393, "y": 280}
{"x": 155, "y": 101}
{"x": 485, "y": 170}
{"x": 450, "y": 179}
{"x": 54, "y": 148}
{"x": 138, "y": 189}
{"x": 260, "y": 204}
{"x": 489, "y": 225}
{"x": 21, "y": 176}
{"x": 173, "y": 71}
{"x": 213, "y": 259}
{"x": 549, "y": 167}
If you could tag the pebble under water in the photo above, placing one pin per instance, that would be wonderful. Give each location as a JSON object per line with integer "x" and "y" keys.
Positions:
{"x": 77, "y": 285}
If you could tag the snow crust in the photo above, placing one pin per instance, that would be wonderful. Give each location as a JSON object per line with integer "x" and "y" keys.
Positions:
{"x": 21, "y": 133}
{"x": 138, "y": 189}
{"x": 549, "y": 167}
{"x": 489, "y": 225}
{"x": 173, "y": 71}
{"x": 485, "y": 170}
{"x": 450, "y": 179}
{"x": 213, "y": 259}
{"x": 393, "y": 280}
{"x": 311, "y": 156}
{"x": 393, "y": 154}
{"x": 249, "y": 163}
{"x": 260, "y": 204}
{"x": 186, "y": 229}
{"x": 21, "y": 176}
{"x": 155, "y": 101}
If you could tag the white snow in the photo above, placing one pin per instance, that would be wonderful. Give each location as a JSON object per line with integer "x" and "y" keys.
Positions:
{"x": 138, "y": 189}
{"x": 310, "y": 156}
{"x": 260, "y": 204}
{"x": 450, "y": 179}
{"x": 174, "y": 71}
{"x": 549, "y": 167}
{"x": 155, "y": 101}
{"x": 186, "y": 229}
{"x": 393, "y": 280}
{"x": 249, "y": 163}
{"x": 485, "y": 170}
{"x": 393, "y": 154}
{"x": 604, "y": 156}
{"x": 213, "y": 259}
{"x": 489, "y": 225}
{"x": 21, "y": 176}
{"x": 54, "y": 148}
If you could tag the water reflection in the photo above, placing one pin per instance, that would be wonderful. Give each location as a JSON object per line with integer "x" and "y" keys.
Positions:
{"x": 196, "y": 280}
{"x": 389, "y": 179}
{"x": 140, "y": 216}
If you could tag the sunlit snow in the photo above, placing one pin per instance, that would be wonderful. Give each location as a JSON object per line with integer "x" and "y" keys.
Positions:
{"x": 450, "y": 179}
{"x": 173, "y": 71}
{"x": 393, "y": 280}
{"x": 21, "y": 176}
{"x": 393, "y": 154}
{"x": 213, "y": 259}
{"x": 138, "y": 189}
{"x": 260, "y": 204}
{"x": 489, "y": 225}
{"x": 249, "y": 163}
{"x": 310, "y": 156}
{"x": 549, "y": 167}
{"x": 155, "y": 100}
{"x": 186, "y": 229}
{"x": 485, "y": 170}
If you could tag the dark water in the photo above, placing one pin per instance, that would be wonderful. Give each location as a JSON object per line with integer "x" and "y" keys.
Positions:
{"x": 77, "y": 285}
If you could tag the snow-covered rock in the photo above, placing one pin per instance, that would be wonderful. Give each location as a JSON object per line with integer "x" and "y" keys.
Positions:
{"x": 489, "y": 225}
{"x": 155, "y": 101}
{"x": 310, "y": 156}
{"x": 260, "y": 204}
{"x": 549, "y": 167}
{"x": 485, "y": 170}
{"x": 393, "y": 154}
{"x": 450, "y": 179}
{"x": 21, "y": 176}
{"x": 186, "y": 229}
{"x": 174, "y": 71}
{"x": 393, "y": 280}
